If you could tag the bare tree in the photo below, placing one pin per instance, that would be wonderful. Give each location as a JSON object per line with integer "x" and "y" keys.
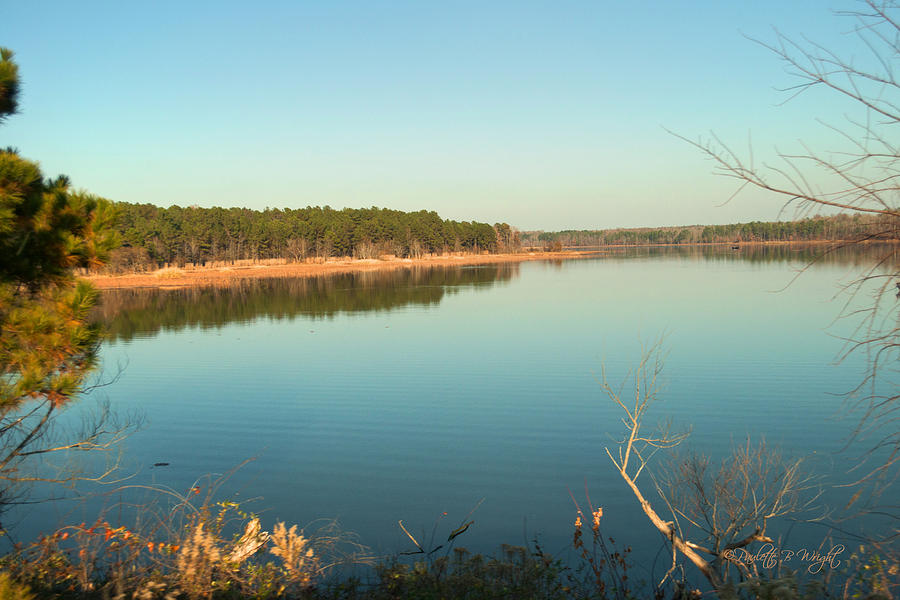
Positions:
{"x": 298, "y": 248}
{"x": 713, "y": 514}
{"x": 861, "y": 177}
{"x": 731, "y": 504}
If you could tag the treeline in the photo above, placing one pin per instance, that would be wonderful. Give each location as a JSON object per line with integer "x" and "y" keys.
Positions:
{"x": 153, "y": 236}
{"x": 838, "y": 227}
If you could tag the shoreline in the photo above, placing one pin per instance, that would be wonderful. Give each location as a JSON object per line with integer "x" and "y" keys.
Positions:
{"x": 170, "y": 278}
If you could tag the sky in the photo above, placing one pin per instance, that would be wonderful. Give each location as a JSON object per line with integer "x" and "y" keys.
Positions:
{"x": 546, "y": 115}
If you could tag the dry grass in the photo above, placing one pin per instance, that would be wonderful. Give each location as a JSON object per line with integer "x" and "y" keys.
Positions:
{"x": 180, "y": 546}
{"x": 300, "y": 561}
{"x": 225, "y": 275}
{"x": 167, "y": 273}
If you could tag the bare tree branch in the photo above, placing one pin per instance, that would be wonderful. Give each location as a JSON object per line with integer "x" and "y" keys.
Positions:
{"x": 860, "y": 178}
{"x": 725, "y": 509}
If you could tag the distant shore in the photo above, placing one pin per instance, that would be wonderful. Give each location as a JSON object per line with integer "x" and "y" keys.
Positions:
{"x": 223, "y": 275}
{"x": 226, "y": 273}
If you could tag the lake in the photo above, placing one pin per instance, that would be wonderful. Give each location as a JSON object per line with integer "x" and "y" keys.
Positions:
{"x": 376, "y": 397}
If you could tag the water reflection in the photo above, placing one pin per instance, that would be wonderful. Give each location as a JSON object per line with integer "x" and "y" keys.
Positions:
{"x": 855, "y": 255}
{"x": 130, "y": 313}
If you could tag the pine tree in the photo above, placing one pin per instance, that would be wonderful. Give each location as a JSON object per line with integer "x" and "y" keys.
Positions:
{"x": 47, "y": 346}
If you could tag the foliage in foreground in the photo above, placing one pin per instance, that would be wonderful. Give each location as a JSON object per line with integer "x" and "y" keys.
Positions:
{"x": 47, "y": 347}
{"x": 215, "y": 550}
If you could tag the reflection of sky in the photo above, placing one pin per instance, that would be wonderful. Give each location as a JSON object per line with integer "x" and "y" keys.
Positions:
{"x": 374, "y": 417}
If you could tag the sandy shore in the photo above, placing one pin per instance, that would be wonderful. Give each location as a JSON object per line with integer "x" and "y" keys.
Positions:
{"x": 204, "y": 276}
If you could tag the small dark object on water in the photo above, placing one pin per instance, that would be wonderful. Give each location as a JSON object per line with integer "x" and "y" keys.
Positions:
{"x": 735, "y": 247}
{"x": 160, "y": 464}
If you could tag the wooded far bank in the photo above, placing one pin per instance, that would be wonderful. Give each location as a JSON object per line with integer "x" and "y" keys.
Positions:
{"x": 154, "y": 237}
{"x": 817, "y": 228}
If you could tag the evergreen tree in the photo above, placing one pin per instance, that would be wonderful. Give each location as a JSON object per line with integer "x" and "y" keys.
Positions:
{"x": 9, "y": 84}
{"x": 47, "y": 347}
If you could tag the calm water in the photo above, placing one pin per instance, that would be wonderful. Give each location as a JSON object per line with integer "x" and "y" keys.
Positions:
{"x": 377, "y": 397}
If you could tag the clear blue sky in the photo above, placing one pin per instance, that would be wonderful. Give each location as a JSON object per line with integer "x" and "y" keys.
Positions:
{"x": 547, "y": 115}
